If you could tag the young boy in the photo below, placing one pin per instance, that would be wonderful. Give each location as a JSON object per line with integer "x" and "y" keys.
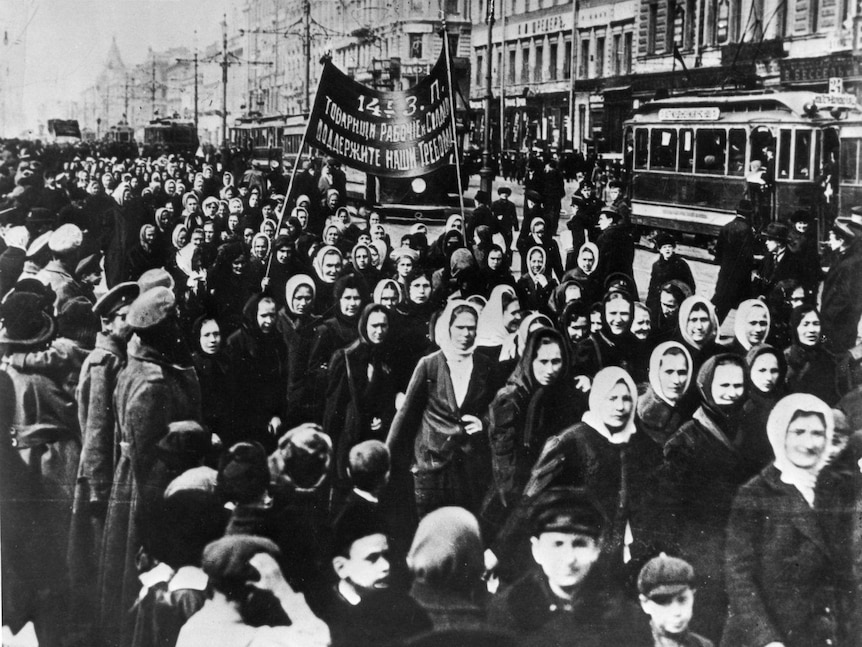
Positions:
{"x": 666, "y": 587}
{"x": 362, "y": 609}
{"x": 667, "y": 267}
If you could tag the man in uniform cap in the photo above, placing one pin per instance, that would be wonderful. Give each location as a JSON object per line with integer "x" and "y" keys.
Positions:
{"x": 564, "y": 596}
{"x": 238, "y": 565}
{"x": 64, "y": 244}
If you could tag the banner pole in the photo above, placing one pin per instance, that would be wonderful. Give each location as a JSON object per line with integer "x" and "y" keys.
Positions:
{"x": 290, "y": 183}
{"x": 454, "y": 130}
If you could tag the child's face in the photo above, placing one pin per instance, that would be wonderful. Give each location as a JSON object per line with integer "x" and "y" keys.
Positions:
{"x": 666, "y": 251}
{"x": 670, "y": 617}
{"x": 367, "y": 566}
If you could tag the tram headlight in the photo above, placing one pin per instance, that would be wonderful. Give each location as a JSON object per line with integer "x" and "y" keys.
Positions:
{"x": 418, "y": 185}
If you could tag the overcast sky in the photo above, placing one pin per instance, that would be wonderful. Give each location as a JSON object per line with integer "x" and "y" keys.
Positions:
{"x": 68, "y": 40}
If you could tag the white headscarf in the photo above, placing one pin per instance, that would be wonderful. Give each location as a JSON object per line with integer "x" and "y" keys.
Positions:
{"x": 782, "y": 414}
{"x": 603, "y": 383}
{"x": 491, "y": 331}
{"x": 655, "y": 366}
{"x": 685, "y": 310}
{"x": 323, "y": 252}
{"x": 293, "y": 284}
{"x": 17, "y": 237}
{"x": 442, "y": 335}
{"x": 590, "y": 247}
{"x": 742, "y": 313}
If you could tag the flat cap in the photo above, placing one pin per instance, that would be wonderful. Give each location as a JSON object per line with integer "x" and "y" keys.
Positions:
{"x": 566, "y": 509}
{"x": 151, "y": 308}
{"x": 665, "y": 575}
{"x": 226, "y": 560}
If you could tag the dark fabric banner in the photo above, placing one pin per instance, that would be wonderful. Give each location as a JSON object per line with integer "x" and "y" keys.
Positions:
{"x": 389, "y": 134}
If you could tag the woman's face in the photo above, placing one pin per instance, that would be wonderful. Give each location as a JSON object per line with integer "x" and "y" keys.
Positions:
{"x": 232, "y": 222}
{"x": 765, "y": 372}
{"x": 578, "y": 329}
{"x": 618, "y": 315}
{"x": 361, "y": 258}
{"x": 405, "y": 266}
{"x": 164, "y": 218}
{"x": 375, "y": 256}
{"x": 586, "y": 261}
{"x": 302, "y": 217}
{"x": 350, "y": 302}
{"x": 259, "y": 247}
{"x": 805, "y": 441}
{"x": 595, "y": 322}
{"x": 728, "y": 384}
{"x": 364, "y": 239}
{"x": 268, "y": 229}
{"x": 377, "y": 327}
{"x": 420, "y": 290}
{"x": 331, "y": 236}
{"x": 238, "y": 265}
{"x": 374, "y": 218}
{"x": 182, "y": 238}
{"x": 253, "y": 199}
{"x": 462, "y": 332}
{"x": 548, "y": 363}
{"x": 536, "y": 263}
{"x": 495, "y": 260}
{"x": 698, "y": 326}
{"x": 149, "y": 235}
{"x": 210, "y": 337}
{"x": 248, "y": 235}
{"x": 331, "y": 267}
{"x": 197, "y": 238}
{"x": 389, "y": 297}
{"x": 573, "y": 293}
{"x": 756, "y": 325}
{"x": 797, "y": 297}
{"x": 301, "y": 301}
{"x": 617, "y": 407}
{"x": 673, "y": 374}
{"x": 512, "y": 316}
{"x": 378, "y": 232}
{"x": 641, "y": 324}
{"x": 809, "y": 329}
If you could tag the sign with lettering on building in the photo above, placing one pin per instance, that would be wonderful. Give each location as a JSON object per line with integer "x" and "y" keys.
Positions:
{"x": 835, "y": 100}
{"x": 689, "y": 114}
{"x": 389, "y": 134}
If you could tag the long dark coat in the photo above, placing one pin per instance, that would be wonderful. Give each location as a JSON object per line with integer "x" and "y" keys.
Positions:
{"x": 841, "y": 303}
{"x": 616, "y": 253}
{"x": 151, "y": 393}
{"x": 734, "y": 252}
{"x": 779, "y": 569}
{"x": 298, "y": 334}
{"x": 662, "y": 272}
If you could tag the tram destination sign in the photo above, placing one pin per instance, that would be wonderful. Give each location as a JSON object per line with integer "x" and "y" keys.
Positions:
{"x": 835, "y": 100}
{"x": 689, "y": 114}
{"x": 389, "y": 134}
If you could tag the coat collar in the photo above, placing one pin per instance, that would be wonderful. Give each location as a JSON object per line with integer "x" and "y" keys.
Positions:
{"x": 799, "y": 513}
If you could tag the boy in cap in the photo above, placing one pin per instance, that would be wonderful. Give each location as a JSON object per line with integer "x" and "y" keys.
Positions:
{"x": 236, "y": 566}
{"x": 668, "y": 267}
{"x": 666, "y": 588}
{"x": 362, "y": 609}
{"x": 564, "y": 600}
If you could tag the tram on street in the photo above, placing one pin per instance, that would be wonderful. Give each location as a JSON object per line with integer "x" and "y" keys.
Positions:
{"x": 120, "y": 141}
{"x": 691, "y": 159}
{"x": 170, "y": 135}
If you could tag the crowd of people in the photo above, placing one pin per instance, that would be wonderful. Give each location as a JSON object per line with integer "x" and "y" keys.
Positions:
{"x": 234, "y": 411}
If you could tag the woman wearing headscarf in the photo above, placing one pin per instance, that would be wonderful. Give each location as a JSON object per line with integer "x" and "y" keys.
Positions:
{"x": 534, "y": 286}
{"x": 437, "y": 433}
{"x": 451, "y": 238}
{"x": 285, "y": 264}
{"x": 594, "y": 454}
{"x": 406, "y": 260}
{"x": 144, "y": 255}
{"x": 698, "y": 330}
{"x": 614, "y": 344}
{"x": 360, "y": 261}
{"x": 703, "y": 468}
{"x": 766, "y": 374}
{"x": 257, "y": 357}
{"x": 811, "y": 367}
{"x": 588, "y": 259}
{"x": 537, "y": 236}
{"x": 258, "y": 257}
{"x": 297, "y": 325}
{"x": 781, "y": 577}
{"x": 537, "y": 402}
{"x": 227, "y": 182}
{"x": 751, "y": 326}
{"x": 387, "y": 292}
{"x": 231, "y": 285}
{"x": 360, "y": 393}
{"x": 565, "y": 293}
{"x": 327, "y": 263}
{"x": 409, "y": 337}
{"x": 211, "y": 365}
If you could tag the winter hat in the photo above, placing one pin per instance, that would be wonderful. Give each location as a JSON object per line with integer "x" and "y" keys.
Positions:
{"x": 66, "y": 238}
{"x": 303, "y": 458}
{"x": 243, "y": 475}
{"x": 24, "y": 320}
{"x": 77, "y": 321}
{"x": 226, "y": 560}
{"x": 151, "y": 308}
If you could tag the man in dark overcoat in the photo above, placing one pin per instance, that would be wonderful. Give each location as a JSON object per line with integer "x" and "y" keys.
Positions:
{"x": 734, "y": 253}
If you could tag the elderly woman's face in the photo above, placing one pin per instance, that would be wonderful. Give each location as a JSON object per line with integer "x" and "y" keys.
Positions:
{"x": 764, "y": 372}
{"x": 617, "y": 407}
{"x": 756, "y": 325}
{"x": 805, "y": 441}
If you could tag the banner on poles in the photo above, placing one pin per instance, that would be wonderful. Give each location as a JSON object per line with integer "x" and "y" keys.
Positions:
{"x": 389, "y": 134}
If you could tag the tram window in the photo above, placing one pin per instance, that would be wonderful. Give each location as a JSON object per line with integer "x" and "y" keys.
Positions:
{"x": 686, "y": 150}
{"x": 802, "y": 157}
{"x": 784, "y": 154}
{"x": 641, "y": 148}
{"x": 663, "y": 149}
{"x": 736, "y": 160}
{"x": 850, "y": 160}
{"x": 711, "y": 151}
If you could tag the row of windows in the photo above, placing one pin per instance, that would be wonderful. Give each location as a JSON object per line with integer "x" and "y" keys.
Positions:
{"x": 557, "y": 65}
{"x": 722, "y": 151}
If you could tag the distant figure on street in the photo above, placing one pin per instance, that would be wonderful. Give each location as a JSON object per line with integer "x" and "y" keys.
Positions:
{"x": 734, "y": 252}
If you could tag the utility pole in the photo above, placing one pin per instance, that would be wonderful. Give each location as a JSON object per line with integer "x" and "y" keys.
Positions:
{"x": 486, "y": 173}
{"x": 573, "y": 73}
{"x": 194, "y": 61}
{"x": 503, "y": 71}
{"x": 126, "y": 99}
{"x": 306, "y": 7}
{"x": 153, "y": 86}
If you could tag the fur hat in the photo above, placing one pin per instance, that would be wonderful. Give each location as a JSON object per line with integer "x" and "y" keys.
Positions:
{"x": 24, "y": 320}
{"x": 151, "y": 308}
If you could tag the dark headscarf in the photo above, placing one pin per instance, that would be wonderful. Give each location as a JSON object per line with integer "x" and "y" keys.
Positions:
{"x": 753, "y": 354}
{"x": 726, "y": 416}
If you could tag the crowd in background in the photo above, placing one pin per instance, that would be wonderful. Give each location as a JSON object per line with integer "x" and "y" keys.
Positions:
{"x": 235, "y": 410}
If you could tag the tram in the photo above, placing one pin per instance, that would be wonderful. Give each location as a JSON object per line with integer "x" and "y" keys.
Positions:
{"x": 692, "y": 158}
{"x": 170, "y": 135}
{"x": 120, "y": 141}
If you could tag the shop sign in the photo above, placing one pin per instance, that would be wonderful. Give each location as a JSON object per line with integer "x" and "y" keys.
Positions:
{"x": 545, "y": 25}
